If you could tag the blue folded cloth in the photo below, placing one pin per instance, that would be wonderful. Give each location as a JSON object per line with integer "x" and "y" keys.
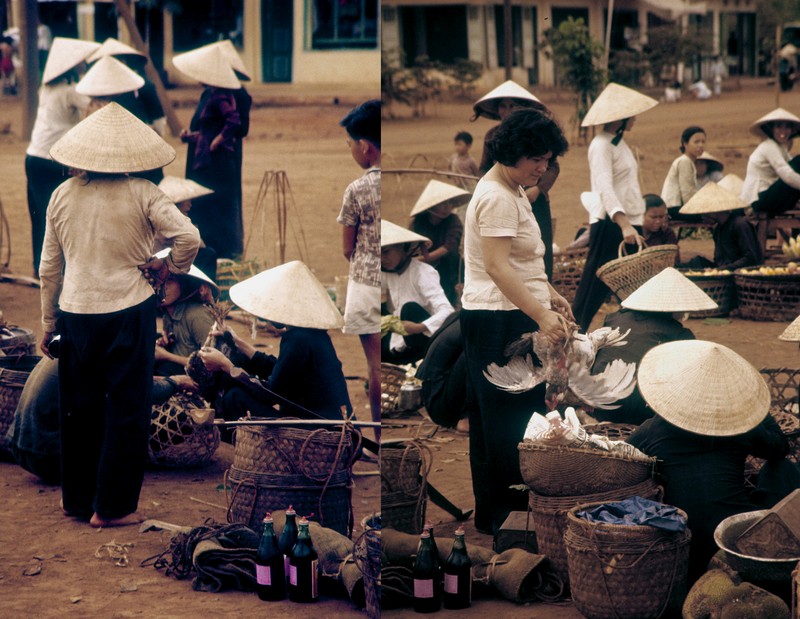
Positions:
{"x": 637, "y": 511}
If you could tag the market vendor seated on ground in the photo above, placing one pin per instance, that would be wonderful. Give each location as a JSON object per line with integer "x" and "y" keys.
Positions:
{"x": 307, "y": 374}
{"x": 711, "y": 410}
{"x": 414, "y": 294}
{"x": 653, "y": 314}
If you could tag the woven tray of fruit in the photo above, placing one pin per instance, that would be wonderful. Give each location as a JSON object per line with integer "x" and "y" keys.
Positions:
{"x": 706, "y": 272}
{"x": 791, "y": 270}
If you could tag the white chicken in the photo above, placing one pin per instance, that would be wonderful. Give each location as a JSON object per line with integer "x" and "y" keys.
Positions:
{"x": 567, "y": 367}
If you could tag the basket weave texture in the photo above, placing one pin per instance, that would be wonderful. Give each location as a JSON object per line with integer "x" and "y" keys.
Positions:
{"x": 626, "y": 273}
{"x": 274, "y": 467}
{"x": 571, "y": 471}
{"x": 230, "y": 272}
{"x": 784, "y": 387}
{"x": 768, "y": 297}
{"x": 613, "y": 431}
{"x": 392, "y": 379}
{"x": 14, "y": 372}
{"x": 404, "y": 485}
{"x": 721, "y": 289}
{"x": 549, "y": 518}
{"x": 175, "y": 439}
{"x": 21, "y": 342}
{"x": 567, "y": 271}
{"x": 625, "y": 571}
{"x": 367, "y": 555}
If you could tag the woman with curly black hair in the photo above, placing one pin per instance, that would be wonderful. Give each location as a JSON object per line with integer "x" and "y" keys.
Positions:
{"x": 506, "y": 294}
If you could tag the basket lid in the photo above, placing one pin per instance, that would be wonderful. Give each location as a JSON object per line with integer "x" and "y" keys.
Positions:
{"x": 704, "y": 387}
{"x": 669, "y": 291}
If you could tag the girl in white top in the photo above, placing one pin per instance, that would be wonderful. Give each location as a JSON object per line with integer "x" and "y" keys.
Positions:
{"x": 506, "y": 294}
{"x": 772, "y": 184}
{"x": 681, "y": 181}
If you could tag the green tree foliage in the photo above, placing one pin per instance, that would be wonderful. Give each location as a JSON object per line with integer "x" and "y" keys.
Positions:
{"x": 667, "y": 46}
{"x": 464, "y": 74}
{"x": 576, "y": 57}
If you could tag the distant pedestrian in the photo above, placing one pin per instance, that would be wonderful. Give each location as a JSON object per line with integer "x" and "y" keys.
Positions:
{"x": 461, "y": 162}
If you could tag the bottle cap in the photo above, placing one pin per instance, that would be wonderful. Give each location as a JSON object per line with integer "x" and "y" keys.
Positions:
{"x": 268, "y": 517}
{"x": 460, "y": 531}
{"x": 303, "y": 520}
{"x": 290, "y": 511}
{"x": 425, "y": 534}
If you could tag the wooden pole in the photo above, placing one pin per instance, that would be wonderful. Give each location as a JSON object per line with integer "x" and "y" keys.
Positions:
{"x": 607, "y": 50}
{"x": 508, "y": 36}
{"x": 778, "y": 29}
{"x": 29, "y": 21}
{"x": 124, "y": 10}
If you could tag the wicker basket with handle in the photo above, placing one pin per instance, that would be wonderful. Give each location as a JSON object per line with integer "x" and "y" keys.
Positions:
{"x": 629, "y": 271}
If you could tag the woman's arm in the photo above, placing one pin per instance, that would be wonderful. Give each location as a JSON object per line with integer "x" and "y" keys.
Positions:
{"x": 349, "y": 234}
{"x": 687, "y": 179}
{"x": 432, "y": 298}
{"x": 496, "y": 252}
{"x": 775, "y": 159}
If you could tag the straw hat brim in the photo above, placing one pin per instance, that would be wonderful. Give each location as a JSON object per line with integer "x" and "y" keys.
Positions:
{"x": 112, "y": 140}
{"x": 703, "y": 387}
{"x": 107, "y": 77}
{"x": 208, "y": 65}
{"x": 712, "y": 163}
{"x": 617, "y": 102}
{"x": 792, "y": 332}
{"x": 788, "y": 51}
{"x": 487, "y": 105}
{"x": 732, "y": 183}
{"x": 437, "y": 192}
{"x": 776, "y": 115}
{"x": 289, "y": 294}
{"x": 182, "y": 189}
{"x": 194, "y": 272}
{"x": 114, "y": 47}
{"x": 669, "y": 291}
{"x": 233, "y": 58}
{"x": 392, "y": 234}
{"x": 66, "y": 54}
{"x": 711, "y": 198}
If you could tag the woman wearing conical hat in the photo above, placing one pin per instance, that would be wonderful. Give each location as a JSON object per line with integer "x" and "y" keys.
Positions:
{"x": 709, "y": 169}
{"x": 614, "y": 173}
{"x": 772, "y": 183}
{"x": 60, "y": 109}
{"x": 96, "y": 272}
{"x": 711, "y": 411}
{"x": 212, "y": 159}
{"x": 680, "y": 184}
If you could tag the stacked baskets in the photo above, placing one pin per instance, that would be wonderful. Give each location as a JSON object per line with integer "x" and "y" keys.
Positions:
{"x": 14, "y": 372}
{"x": 274, "y": 467}
{"x": 626, "y": 273}
{"x": 719, "y": 285}
{"x": 562, "y": 477}
{"x": 404, "y": 477}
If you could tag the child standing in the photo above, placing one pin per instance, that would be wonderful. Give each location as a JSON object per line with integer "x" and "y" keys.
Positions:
{"x": 361, "y": 242}
{"x": 461, "y": 162}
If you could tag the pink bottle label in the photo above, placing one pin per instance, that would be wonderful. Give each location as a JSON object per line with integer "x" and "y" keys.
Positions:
{"x": 423, "y": 588}
{"x": 314, "y": 578}
{"x": 450, "y": 583}
{"x": 293, "y": 575}
{"x": 263, "y": 575}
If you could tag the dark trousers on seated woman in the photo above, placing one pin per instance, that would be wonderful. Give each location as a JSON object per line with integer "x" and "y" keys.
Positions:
{"x": 415, "y": 344}
{"x": 497, "y": 424}
{"x": 779, "y": 197}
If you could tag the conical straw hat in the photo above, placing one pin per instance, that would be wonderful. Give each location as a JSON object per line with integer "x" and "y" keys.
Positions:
{"x": 66, "y": 54}
{"x": 233, "y": 58}
{"x": 732, "y": 183}
{"x": 437, "y": 192}
{"x": 392, "y": 234}
{"x": 208, "y": 65}
{"x": 194, "y": 272}
{"x": 108, "y": 76}
{"x": 487, "y": 104}
{"x": 778, "y": 114}
{"x": 711, "y": 161}
{"x": 703, "y": 387}
{"x": 617, "y": 102}
{"x": 792, "y": 332}
{"x": 288, "y": 294}
{"x": 114, "y": 47}
{"x": 669, "y": 291}
{"x": 711, "y": 198}
{"x": 181, "y": 189}
{"x": 788, "y": 51}
{"x": 112, "y": 140}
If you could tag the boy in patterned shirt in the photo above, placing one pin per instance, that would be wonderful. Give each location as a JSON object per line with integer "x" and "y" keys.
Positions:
{"x": 361, "y": 237}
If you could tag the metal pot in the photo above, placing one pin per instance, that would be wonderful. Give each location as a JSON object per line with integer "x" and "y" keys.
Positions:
{"x": 410, "y": 398}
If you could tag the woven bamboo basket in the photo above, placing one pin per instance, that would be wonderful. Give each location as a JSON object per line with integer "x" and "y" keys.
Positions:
{"x": 230, "y": 272}
{"x": 404, "y": 485}
{"x": 14, "y": 372}
{"x": 21, "y": 342}
{"x": 274, "y": 467}
{"x": 176, "y": 439}
{"x": 768, "y": 297}
{"x": 549, "y": 518}
{"x": 625, "y": 571}
{"x": 571, "y": 471}
{"x": 626, "y": 273}
{"x": 784, "y": 387}
{"x": 613, "y": 431}
{"x": 392, "y": 379}
{"x": 567, "y": 271}
{"x": 721, "y": 289}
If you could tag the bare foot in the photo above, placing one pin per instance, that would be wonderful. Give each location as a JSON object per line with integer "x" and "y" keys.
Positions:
{"x": 71, "y": 514}
{"x": 98, "y": 522}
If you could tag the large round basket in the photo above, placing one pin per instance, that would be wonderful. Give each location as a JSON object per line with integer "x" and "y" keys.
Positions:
{"x": 404, "y": 485}
{"x": 720, "y": 287}
{"x": 567, "y": 271}
{"x": 549, "y": 518}
{"x": 177, "y": 439}
{"x": 626, "y": 273}
{"x": 274, "y": 467}
{"x": 625, "y": 571}
{"x": 21, "y": 342}
{"x": 571, "y": 471}
{"x": 14, "y": 372}
{"x": 768, "y": 297}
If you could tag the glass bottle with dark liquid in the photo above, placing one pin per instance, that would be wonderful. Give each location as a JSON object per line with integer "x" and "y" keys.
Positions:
{"x": 427, "y": 592}
{"x": 458, "y": 575}
{"x": 270, "y": 573}
{"x": 303, "y": 568}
